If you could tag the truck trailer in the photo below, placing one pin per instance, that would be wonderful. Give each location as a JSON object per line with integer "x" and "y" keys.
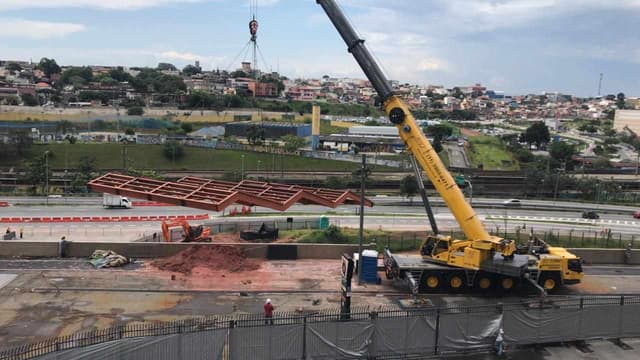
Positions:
{"x": 115, "y": 202}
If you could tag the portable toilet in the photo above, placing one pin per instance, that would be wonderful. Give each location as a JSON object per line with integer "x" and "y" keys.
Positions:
{"x": 369, "y": 267}
{"x": 324, "y": 223}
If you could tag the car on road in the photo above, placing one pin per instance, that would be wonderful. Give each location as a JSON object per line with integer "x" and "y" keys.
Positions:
{"x": 636, "y": 215}
{"x": 512, "y": 203}
{"x": 590, "y": 215}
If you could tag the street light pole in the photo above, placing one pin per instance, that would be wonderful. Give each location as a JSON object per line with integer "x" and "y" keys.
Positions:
{"x": 242, "y": 156}
{"x": 258, "y": 171}
{"x": 46, "y": 174}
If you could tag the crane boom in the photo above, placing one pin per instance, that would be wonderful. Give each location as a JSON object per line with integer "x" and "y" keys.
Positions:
{"x": 415, "y": 140}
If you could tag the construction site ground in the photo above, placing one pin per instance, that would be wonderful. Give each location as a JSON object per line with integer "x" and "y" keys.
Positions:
{"x": 48, "y": 298}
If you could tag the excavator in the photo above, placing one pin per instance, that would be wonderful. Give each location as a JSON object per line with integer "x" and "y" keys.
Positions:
{"x": 478, "y": 262}
{"x": 188, "y": 233}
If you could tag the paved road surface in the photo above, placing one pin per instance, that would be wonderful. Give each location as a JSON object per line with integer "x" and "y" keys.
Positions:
{"x": 457, "y": 155}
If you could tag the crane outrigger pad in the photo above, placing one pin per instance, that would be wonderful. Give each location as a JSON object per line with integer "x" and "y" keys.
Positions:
{"x": 216, "y": 195}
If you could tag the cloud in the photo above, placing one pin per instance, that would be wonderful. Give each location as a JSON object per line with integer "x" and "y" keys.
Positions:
{"x": 189, "y": 58}
{"x": 100, "y": 4}
{"x": 38, "y": 30}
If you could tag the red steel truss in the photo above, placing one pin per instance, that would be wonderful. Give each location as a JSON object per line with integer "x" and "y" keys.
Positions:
{"x": 215, "y": 195}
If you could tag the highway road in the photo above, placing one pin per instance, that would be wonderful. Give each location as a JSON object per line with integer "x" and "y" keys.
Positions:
{"x": 388, "y": 215}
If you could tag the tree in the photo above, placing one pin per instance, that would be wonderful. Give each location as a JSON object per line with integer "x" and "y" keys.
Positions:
{"x": 239, "y": 74}
{"x": 562, "y": 154}
{"x": 255, "y": 134}
{"x": 29, "y": 100}
{"x": 439, "y": 132}
{"x": 49, "y": 67}
{"x": 186, "y": 127}
{"x": 335, "y": 182}
{"x": 77, "y": 76}
{"x": 135, "y": 111}
{"x": 437, "y": 146}
{"x": 38, "y": 172}
{"x": 129, "y": 131}
{"x": 14, "y": 67}
{"x": 191, "y": 70}
{"x": 120, "y": 75}
{"x": 64, "y": 127}
{"x": 12, "y": 100}
{"x": 409, "y": 187}
{"x": 620, "y": 101}
{"x": 292, "y": 143}
{"x": 22, "y": 143}
{"x": 356, "y": 174}
{"x": 457, "y": 93}
{"x": 173, "y": 150}
{"x": 87, "y": 170}
{"x": 166, "y": 67}
{"x": 537, "y": 133}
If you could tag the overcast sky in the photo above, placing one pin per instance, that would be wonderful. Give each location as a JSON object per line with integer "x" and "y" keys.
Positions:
{"x": 518, "y": 46}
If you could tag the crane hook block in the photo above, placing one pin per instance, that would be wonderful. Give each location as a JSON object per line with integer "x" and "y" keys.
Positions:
{"x": 397, "y": 116}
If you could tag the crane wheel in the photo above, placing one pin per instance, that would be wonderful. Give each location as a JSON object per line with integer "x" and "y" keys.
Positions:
{"x": 456, "y": 282}
{"x": 484, "y": 283}
{"x": 432, "y": 281}
{"x": 549, "y": 282}
{"x": 507, "y": 284}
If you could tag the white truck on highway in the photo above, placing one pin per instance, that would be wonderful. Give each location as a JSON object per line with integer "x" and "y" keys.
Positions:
{"x": 115, "y": 201}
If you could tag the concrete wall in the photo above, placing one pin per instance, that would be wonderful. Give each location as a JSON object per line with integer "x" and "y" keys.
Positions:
{"x": 153, "y": 250}
{"x": 606, "y": 256}
{"x": 29, "y": 249}
{"x": 15, "y": 248}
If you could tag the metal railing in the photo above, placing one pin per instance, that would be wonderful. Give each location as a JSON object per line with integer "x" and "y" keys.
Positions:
{"x": 380, "y": 333}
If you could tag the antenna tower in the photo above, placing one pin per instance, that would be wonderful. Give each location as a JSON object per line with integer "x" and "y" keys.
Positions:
{"x": 600, "y": 84}
{"x": 253, "y": 30}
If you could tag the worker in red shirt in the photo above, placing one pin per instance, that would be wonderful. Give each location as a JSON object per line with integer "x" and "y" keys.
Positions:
{"x": 268, "y": 312}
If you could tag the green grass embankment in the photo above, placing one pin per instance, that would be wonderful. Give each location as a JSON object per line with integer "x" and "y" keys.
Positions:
{"x": 491, "y": 153}
{"x": 109, "y": 156}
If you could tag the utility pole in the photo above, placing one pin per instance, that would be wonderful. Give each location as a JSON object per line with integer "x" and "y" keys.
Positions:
{"x": 46, "y": 174}
{"x": 361, "y": 232}
{"x": 242, "y": 156}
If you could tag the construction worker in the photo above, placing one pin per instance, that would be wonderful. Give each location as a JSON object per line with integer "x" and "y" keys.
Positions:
{"x": 499, "y": 344}
{"x": 627, "y": 254}
{"x": 268, "y": 312}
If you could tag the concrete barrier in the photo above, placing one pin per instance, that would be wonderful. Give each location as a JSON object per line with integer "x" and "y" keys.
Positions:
{"x": 28, "y": 249}
{"x": 606, "y": 256}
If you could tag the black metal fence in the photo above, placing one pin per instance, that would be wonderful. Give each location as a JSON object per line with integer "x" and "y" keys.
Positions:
{"x": 382, "y": 333}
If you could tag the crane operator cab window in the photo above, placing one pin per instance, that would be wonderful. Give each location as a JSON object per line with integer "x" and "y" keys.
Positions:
{"x": 427, "y": 249}
{"x": 441, "y": 246}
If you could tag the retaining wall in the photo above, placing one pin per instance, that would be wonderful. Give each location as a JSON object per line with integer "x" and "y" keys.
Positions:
{"x": 24, "y": 249}
{"x": 31, "y": 249}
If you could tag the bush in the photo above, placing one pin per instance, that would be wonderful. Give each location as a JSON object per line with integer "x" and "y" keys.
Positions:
{"x": 334, "y": 235}
{"x": 173, "y": 150}
{"x": 135, "y": 111}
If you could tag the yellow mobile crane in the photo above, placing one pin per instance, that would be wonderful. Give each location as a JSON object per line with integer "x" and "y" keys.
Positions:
{"x": 481, "y": 261}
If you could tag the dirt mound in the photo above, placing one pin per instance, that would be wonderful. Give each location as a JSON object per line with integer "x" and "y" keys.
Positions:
{"x": 217, "y": 257}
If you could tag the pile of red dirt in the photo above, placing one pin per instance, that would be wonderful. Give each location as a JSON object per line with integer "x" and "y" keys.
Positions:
{"x": 216, "y": 257}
